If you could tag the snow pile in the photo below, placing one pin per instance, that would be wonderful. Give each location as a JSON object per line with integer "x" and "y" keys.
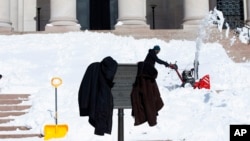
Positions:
{"x": 28, "y": 62}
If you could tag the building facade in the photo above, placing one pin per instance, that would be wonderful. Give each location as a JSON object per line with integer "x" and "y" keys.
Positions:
{"x": 74, "y": 15}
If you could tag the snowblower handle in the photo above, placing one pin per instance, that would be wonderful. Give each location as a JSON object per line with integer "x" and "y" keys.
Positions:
{"x": 56, "y": 81}
{"x": 175, "y": 67}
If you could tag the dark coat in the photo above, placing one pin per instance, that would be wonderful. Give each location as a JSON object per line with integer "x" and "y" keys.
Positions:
{"x": 151, "y": 58}
{"x": 95, "y": 98}
{"x": 145, "y": 95}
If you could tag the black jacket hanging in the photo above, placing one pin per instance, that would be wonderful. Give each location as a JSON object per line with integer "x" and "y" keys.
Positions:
{"x": 145, "y": 96}
{"x": 95, "y": 98}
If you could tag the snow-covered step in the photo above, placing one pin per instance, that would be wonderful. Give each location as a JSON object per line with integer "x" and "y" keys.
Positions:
{"x": 13, "y": 128}
{"x": 10, "y": 104}
{"x": 6, "y": 136}
{"x": 7, "y": 114}
{"x": 14, "y": 108}
{"x": 6, "y": 120}
{"x": 14, "y": 96}
{"x": 10, "y": 101}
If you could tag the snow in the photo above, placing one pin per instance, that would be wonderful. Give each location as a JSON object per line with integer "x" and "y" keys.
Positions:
{"x": 219, "y": 18}
{"x": 28, "y": 62}
{"x": 244, "y": 35}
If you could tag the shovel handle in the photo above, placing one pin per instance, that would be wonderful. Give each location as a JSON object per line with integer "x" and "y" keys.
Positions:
{"x": 56, "y": 82}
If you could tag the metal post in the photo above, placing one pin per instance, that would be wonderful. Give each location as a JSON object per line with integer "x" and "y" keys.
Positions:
{"x": 120, "y": 125}
{"x": 153, "y": 14}
{"x": 56, "y": 106}
{"x": 38, "y": 18}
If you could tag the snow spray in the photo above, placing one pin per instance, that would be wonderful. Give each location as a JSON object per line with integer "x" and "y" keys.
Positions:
{"x": 214, "y": 17}
{"x": 201, "y": 36}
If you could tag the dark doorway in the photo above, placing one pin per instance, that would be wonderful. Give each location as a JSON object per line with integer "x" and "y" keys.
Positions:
{"x": 113, "y": 13}
{"x": 99, "y": 14}
{"x": 164, "y": 14}
{"x": 82, "y": 13}
{"x": 233, "y": 11}
{"x": 43, "y": 14}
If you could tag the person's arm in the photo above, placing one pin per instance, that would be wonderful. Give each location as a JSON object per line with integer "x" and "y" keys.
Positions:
{"x": 159, "y": 60}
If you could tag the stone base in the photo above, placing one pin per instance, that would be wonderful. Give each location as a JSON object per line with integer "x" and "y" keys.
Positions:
{"x": 62, "y": 28}
{"x": 191, "y": 27}
{"x": 192, "y": 24}
{"x": 132, "y": 27}
{"x": 196, "y": 27}
{"x": 5, "y": 29}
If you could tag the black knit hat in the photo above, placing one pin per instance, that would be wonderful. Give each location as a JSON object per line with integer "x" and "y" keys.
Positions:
{"x": 157, "y": 47}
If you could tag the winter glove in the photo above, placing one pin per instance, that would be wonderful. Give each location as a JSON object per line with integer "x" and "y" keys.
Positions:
{"x": 173, "y": 66}
{"x": 166, "y": 64}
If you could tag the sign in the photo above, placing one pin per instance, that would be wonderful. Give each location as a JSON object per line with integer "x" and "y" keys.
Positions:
{"x": 239, "y": 132}
{"x": 124, "y": 80}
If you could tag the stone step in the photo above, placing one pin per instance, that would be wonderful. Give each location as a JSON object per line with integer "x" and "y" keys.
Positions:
{"x": 10, "y": 102}
{"x": 7, "y": 114}
{"x": 8, "y": 136}
{"x": 14, "y": 96}
{"x": 13, "y": 128}
{"x": 10, "y": 108}
{"x": 14, "y": 108}
{"x": 5, "y": 120}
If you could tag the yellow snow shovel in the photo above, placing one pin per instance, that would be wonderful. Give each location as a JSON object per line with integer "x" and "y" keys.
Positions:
{"x": 57, "y": 130}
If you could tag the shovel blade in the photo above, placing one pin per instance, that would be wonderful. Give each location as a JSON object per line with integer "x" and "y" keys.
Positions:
{"x": 55, "y": 131}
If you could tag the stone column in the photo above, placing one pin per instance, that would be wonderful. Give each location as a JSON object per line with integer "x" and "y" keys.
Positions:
{"x": 247, "y": 7}
{"x": 63, "y": 16}
{"x": 131, "y": 14}
{"x": 5, "y": 24}
{"x": 194, "y": 12}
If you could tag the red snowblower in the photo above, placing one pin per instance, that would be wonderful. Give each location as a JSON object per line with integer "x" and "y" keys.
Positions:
{"x": 187, "y": 77}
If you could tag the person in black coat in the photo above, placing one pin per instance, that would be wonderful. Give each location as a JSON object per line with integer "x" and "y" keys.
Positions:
{"x": 95, "y": 98}
{"x": 145, "y": 95}
{"x": 151, "y": 57}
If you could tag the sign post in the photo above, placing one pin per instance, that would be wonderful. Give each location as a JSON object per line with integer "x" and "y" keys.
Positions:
{"x": 124, "y": 79}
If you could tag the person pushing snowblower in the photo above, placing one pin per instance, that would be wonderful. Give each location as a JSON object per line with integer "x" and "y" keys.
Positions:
{"x": 145, "y": 95}
{"x": 151, "y": 58}
{"x": 186, "y": 76}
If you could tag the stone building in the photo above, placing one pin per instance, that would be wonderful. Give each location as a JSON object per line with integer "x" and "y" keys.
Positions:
{"x": 74, "y": 15}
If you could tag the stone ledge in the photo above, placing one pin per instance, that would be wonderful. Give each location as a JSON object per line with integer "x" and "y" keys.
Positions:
{"x": 61, "y": 28}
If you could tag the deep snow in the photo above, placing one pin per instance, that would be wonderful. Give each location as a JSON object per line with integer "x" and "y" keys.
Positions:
{"x": 28, "y": 62}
